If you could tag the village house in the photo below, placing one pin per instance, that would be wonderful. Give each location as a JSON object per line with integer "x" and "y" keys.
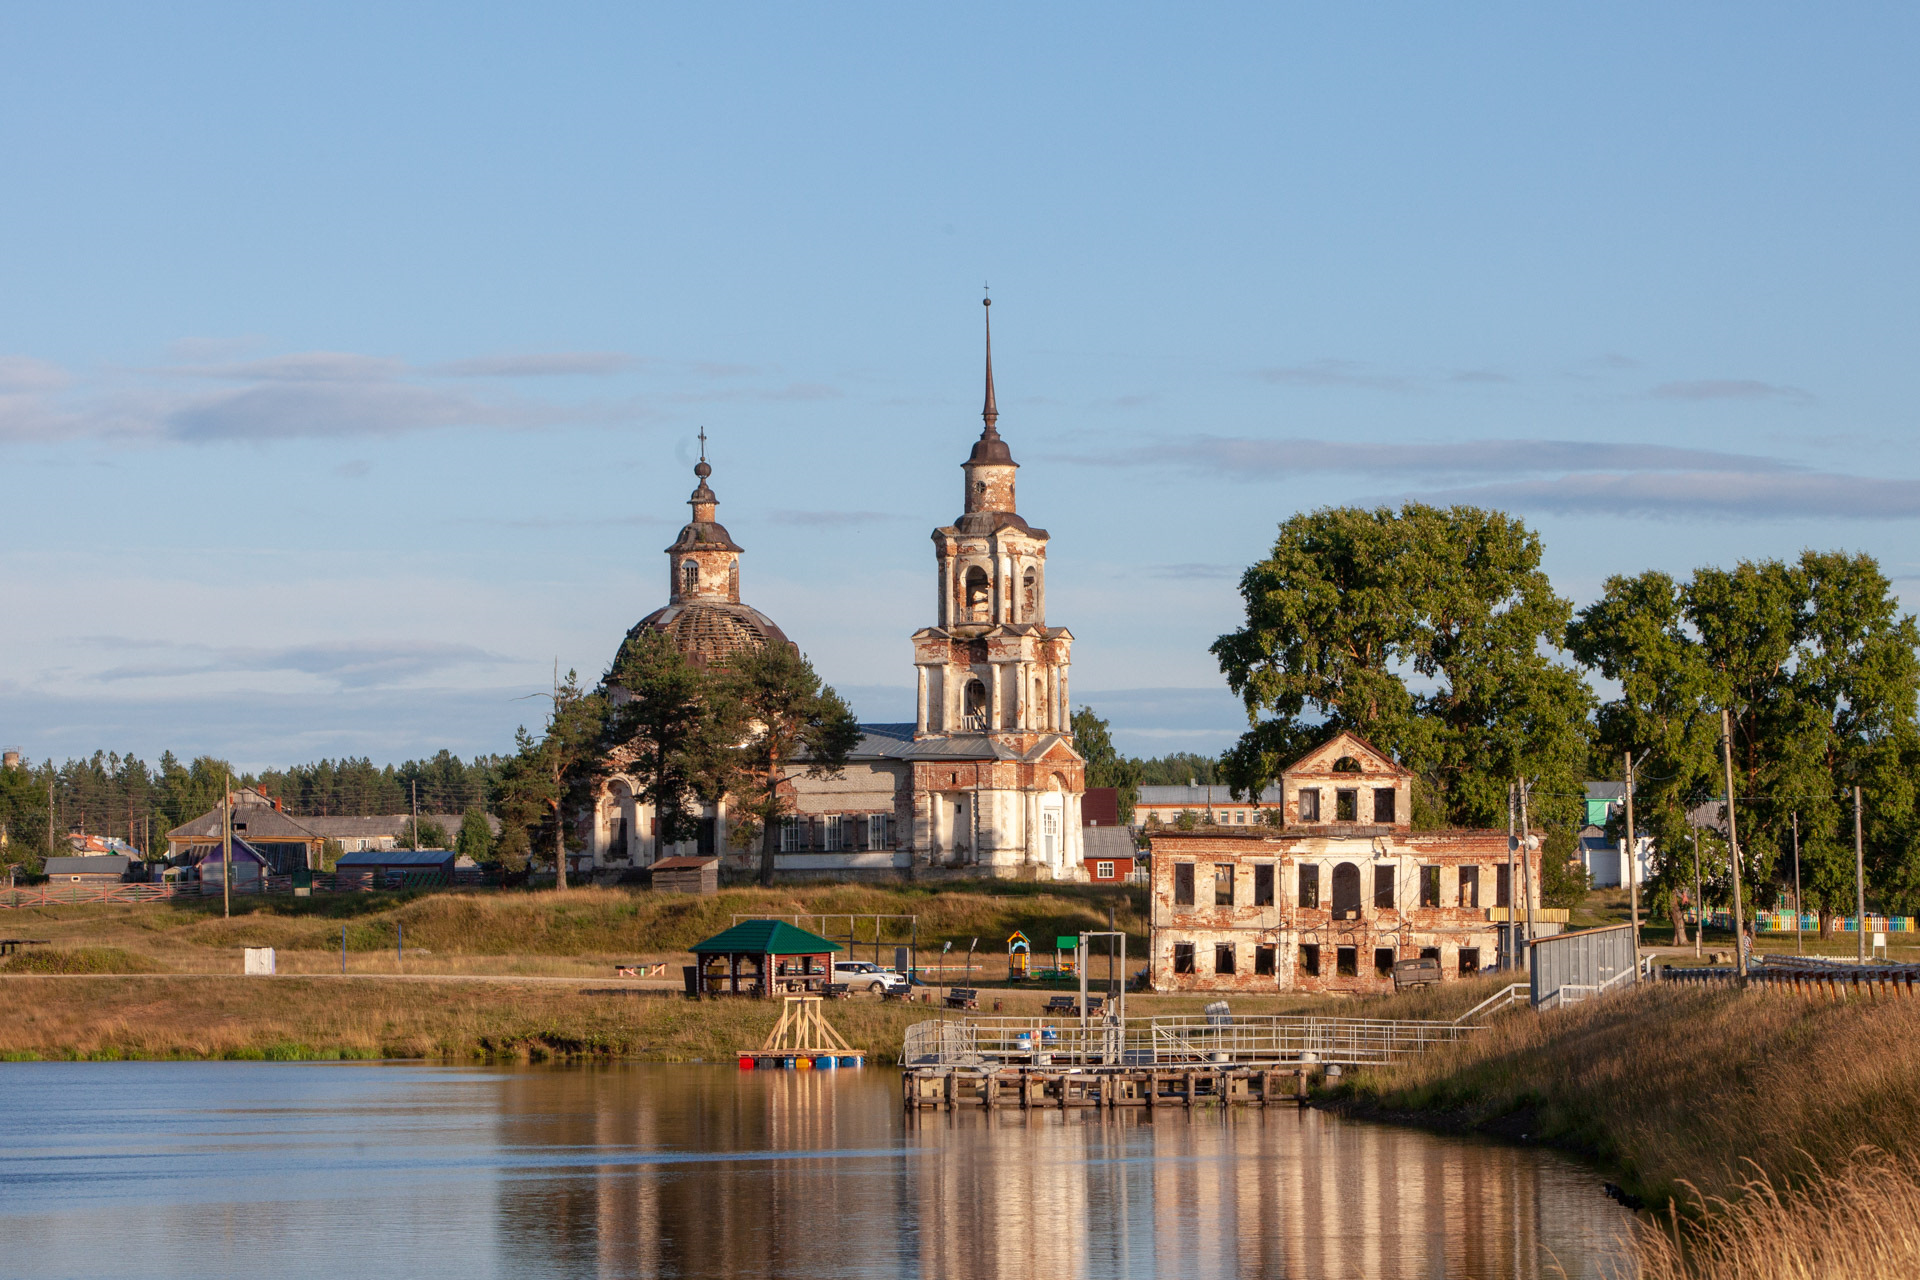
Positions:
{"x": 1330, "y": 900}
{"x": 984, "y": 781}
{"x": 1208, "y": 803}
{"x": 290, "y": 843}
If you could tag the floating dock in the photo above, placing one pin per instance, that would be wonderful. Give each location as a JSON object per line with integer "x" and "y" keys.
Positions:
{"x": 1029, "y": 1088}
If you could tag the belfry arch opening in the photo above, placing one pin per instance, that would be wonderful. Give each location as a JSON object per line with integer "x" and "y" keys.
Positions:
{"x": 689, "y": 576}
{"x": 976, "y": 706}
{"x": 979, "y": 595}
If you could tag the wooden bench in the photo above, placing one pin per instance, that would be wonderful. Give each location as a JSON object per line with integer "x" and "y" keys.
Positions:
{"x": 836, "y": 991}
{"x": 963, "y": 998}
{"x": 1062, "y": 1004}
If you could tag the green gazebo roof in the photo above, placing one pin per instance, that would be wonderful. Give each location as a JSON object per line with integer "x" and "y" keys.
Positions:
{"x": 765, "y": 937}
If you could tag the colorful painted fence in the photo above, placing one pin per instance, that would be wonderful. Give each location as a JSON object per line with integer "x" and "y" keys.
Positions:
{"x": 1782, "y": 922}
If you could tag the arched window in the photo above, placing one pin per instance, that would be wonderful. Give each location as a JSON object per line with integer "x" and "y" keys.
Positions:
{"x": 1029, "y": 594}
{"x": 689, "y": 575}
{"x": 976, "y": 707}
{"x": 979, "y": 595}
{"x": 1346, "y": 891}
{"x": 1346, "y": 764}
{"x": 1038, "y": 711}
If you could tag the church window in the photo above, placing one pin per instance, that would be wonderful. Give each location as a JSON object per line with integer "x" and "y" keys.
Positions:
{"x": 979, "y": 595}
{"x": 689, "y": 575}
{"x": 976, "y": 706}
{"x": 1309, "y": 804}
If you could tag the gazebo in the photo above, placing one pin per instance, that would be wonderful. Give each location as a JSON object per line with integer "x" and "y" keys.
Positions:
{"x": 762, "y": 958}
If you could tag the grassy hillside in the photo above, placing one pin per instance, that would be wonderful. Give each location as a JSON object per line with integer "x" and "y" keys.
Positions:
{"x": 584, "y": 930}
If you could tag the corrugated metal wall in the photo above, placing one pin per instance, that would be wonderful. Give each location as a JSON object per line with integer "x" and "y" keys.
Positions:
{"x": 1587, "y": 959}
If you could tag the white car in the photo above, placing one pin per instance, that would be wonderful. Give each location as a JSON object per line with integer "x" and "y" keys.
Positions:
{"x": 863, "y": 975}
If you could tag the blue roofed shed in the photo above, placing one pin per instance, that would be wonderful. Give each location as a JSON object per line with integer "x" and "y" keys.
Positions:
{"x": 761, "y": 958}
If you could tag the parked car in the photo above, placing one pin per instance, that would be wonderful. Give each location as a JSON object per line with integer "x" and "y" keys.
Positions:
{"x": 864, "y": 975}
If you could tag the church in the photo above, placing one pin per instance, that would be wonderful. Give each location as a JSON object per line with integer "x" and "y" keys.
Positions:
{"x": 984, "y": 782}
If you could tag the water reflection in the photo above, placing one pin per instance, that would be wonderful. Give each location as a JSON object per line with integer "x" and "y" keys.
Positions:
{"x": 240, "y": 1169}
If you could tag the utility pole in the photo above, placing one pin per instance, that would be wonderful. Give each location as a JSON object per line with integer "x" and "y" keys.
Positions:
{"x": 415, "y": 841}
{"x": 226, "y": 848}
{"x": 1633, "y": 863}
{"x": 1699, "y": 902}
{"x": 1859, "y": 880}
{"x": 1799, "y": 943}
{"x": 1526, "y": 861}
{"x": 1509, "y": 939}
{"x": 559, "y": 801}
{"x": 49, "y": 818}
{"x": 1733, "y": 849}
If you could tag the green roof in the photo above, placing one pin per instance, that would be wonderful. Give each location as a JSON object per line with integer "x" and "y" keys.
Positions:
{"x": 765, "y": 937}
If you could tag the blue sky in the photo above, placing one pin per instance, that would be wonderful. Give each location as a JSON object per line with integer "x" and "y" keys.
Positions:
{"x": 351, "y": 357}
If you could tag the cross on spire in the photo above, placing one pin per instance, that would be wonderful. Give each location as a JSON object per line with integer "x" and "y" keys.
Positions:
{"x": 703, "y": 444}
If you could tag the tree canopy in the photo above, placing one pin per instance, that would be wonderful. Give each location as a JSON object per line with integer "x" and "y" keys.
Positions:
{"x": 1430, "y": 632}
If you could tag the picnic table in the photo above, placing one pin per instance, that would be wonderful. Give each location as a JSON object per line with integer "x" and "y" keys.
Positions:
{"x": 963, "y": 998}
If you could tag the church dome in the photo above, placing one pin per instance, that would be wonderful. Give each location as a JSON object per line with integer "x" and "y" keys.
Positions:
{"x": 709, "y": 633}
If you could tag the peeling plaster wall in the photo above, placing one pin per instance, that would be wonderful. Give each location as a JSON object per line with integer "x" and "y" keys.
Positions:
{"x": 1286, "y": 925}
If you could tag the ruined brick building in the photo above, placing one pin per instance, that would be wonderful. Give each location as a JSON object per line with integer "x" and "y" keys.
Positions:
{"x": 985, "y": 781}
{"x": 1332, "y": 899}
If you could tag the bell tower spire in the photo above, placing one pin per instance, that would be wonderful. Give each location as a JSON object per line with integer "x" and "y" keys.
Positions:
{"x": 989, "y": 413}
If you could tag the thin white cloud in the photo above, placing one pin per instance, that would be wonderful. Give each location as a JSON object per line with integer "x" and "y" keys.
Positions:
{"x": 553, "y": 364}
{"x": 1729, "y": 389}
{"x": 356, "y": 665}
{"x": 1692, "y": 495}
{"x": 30, "y": 374}
{"x": 829, "y": 519}
{"x": 1244, "y": 458}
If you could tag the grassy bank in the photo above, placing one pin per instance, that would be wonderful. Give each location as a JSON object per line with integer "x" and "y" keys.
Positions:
{"x": 578, "y": 932}
{"x": 1699, "y": 1098}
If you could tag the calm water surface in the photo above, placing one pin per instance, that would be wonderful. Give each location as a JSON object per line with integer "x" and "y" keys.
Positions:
{"x": 286, "y": 1171}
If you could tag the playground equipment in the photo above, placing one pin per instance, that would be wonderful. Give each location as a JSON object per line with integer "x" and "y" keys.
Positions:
{"x": 1019, "y": 956}
{"x": 1066, "y": 955}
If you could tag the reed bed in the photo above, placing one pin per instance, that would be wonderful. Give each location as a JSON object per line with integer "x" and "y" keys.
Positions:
{"x": 1861, "y": 1222}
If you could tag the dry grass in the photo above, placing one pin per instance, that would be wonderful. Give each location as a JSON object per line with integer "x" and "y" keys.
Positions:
{"x": 1679, "y": 1086}
{"x": 1861, "y": 1223}
{"x": 82, "y": 960}
{"x": 587, "y": 928}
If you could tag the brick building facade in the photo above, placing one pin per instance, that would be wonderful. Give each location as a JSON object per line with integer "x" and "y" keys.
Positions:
{"x": 1330, "y": 900}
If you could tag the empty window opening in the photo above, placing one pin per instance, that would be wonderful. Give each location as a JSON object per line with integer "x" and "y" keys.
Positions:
{"x": 1223, "y": 885}
{"x": 1223, "y": 957}
{"x": 1346, "y": 961}
{"x": 1029, "y": 594}
{"x": 1265, "y": 958}
{"x": 979, "y": 594}
{"x": 1346, "y": 892}
{"x": 1310, "y": 885}
{"x": 1383, "y": 961}
{"x": 1383, "y": 888}
{"x": 1309, "y": 804}
{"x": 1183, "y": 884}
{"x": 1429, "y": 886}
{"x": 689, "y": 575}
{"x": 1346, "y": 764}
{"x": 1310, "y": 959}
{"x": 976, "y": 706}
{"x": 1263, "y": 885}
{"x": 1469, "y": 961}
{"x": 1383, "y": 805}
{"x": 1037, "y": 709}
{"x": 1470, "y": 886}
{"x": 1430, "y": 953}
{"x": 1183, "y": 957}
{"x": 1346, "y": 805}
{"x": 1502, "y": 887}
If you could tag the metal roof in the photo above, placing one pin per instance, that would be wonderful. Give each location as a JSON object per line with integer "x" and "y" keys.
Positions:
{"x": 765, "y": 937}
{"x": 1220, "y": 796}
{"x": 100, "y": 864}
{"x": 396, "y": 858}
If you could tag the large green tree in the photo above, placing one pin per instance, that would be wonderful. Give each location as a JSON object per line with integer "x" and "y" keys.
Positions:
{"x": 1106, "y": 767}
{"x": 1429, "y": 631}
{"x": 544, "y": 783}
{"x": 668, "y": 727}
{"x": 1818, "y": 671}
{"x": 789, "y": 724}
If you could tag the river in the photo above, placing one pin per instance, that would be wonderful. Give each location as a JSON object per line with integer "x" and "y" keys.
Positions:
{"x": 290, "y": 1170}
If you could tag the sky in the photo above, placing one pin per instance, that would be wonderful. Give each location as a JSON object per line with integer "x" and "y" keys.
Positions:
{"x": 352, "y": 356}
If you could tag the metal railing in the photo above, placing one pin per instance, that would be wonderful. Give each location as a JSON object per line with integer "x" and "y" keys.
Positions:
{"x": 1172, "y": 1041}
{"x": 1504, "y": 998}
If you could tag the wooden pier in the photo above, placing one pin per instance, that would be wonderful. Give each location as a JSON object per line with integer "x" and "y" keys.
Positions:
{"x": 1042, "y": 1088}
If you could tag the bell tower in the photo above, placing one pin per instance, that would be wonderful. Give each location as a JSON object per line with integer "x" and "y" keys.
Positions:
{"x": 990, "y": 665}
